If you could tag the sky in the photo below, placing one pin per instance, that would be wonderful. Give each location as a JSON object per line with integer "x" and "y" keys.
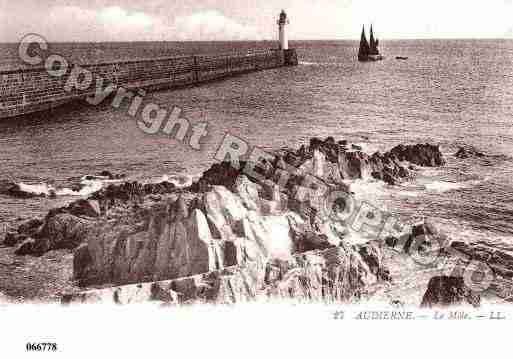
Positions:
{"x": 178, "y": 20}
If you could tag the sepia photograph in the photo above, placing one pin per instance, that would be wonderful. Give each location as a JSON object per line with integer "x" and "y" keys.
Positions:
{"x": 175, "y": 174}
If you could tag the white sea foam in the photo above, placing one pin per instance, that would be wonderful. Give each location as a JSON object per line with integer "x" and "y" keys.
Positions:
{"x": 308, "y": 63}
{"x": 443, "y": 186}
{"x": 409, "y": 193}
{"x": 88, "y": 185}
{"x": 371, "y": 191}
{"x": 36, "y": 189}
{"x": 367, "y": 187}
{"x": 431, "y": 171}
{"x": 363, "y": 145}
{"x": 446, "y": 186}
{"x": 180, "y": 181}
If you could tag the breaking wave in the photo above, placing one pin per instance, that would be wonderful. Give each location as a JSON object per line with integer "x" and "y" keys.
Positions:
{"x": 88, "y": 185}
{"x": 48, "y": 190}
{"x": 443, "y": 186}
{"x": 179, "y": 180}
{"x": 446, "y": 186}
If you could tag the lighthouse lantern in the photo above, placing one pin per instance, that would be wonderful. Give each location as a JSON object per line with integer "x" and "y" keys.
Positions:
{"x": 282, "y": 25}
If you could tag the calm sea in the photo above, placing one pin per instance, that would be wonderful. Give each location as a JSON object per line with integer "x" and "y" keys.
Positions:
{"x": 449, "y": 93}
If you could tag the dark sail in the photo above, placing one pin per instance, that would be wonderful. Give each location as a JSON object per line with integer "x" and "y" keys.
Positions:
{"x": 364, "y": 51}
{"x": 373, "y": 44}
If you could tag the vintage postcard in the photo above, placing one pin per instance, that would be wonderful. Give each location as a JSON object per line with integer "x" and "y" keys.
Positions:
{"x": 298, "y": 177}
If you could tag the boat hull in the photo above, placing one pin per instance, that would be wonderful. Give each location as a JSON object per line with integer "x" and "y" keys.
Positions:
{"x": 370, "y": 58}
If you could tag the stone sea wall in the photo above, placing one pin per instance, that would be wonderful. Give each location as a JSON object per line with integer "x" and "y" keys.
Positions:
{"x": 30, "y": 90}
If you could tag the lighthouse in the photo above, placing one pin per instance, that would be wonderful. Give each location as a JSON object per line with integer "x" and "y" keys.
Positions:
{"x": 282, "y": 25}
{"x": 289, "y": 55}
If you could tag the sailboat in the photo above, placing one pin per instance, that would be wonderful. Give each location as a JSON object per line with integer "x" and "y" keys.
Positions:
{"x": 369, "y": 51}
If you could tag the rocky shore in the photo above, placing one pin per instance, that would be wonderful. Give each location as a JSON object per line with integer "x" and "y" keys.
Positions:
{"x": 243, "y": 231}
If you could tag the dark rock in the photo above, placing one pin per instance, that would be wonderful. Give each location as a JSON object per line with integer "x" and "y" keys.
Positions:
{"x": 449, "y": 291}
{"x": 161, "y": 293}
{"x": 12, "y": 239}
{"x": 391, "y": 241}
{"x": 33, "y": 247}
{"x": 309, "y": 241}
{"x": 30, "y": 227}
{"x": 119, "y": 194}
{"x": 420, "y": 236}
{"x": 230, "y": 254}
{"x": 372, "y": 254}
{"x": 384, "y": 167}
{"x": 330, "y": 140}
{"x": 107, "y": 174}
{"x": 356, "y": 147}
{"x": 423, "y": 229}
{"x": 328, "y": 147}
{"x": 399, "y": 243}
{"x": 12, "y": 189}
{"x": 388, "y": 179}
{"x": 81, "y": 261}
{"x": 159, "y": 188}
{"x": 219, "y": 174}
{"x": 424, "y": 237}
{"x": 468, "y": 152}
{"x": 353, "y": 165}
{"x": 65, "y": 231}
{"x": 425, "y": 155}
{"x": 315, "y": 143}
{"x": 76, "y": 187}
{"x": 83, "y": 207}
{"x": 341, "y": 164}
{"x": 26, "y": 247}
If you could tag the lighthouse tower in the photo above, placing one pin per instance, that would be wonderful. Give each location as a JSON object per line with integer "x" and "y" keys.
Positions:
{"x": 282, "y": 23}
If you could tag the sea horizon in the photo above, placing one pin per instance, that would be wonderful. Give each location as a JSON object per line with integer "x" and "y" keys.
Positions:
{"x": 267, "y": 40}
